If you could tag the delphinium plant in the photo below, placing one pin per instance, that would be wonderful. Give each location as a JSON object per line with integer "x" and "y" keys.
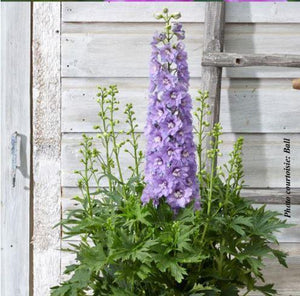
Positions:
{"x": 170, "y": 171}
{"x": 153, "y": 235}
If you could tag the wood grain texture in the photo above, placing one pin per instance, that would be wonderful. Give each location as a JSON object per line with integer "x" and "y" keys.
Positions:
{"x": 114, "y": 50}
{"x": 250, "y": 60}
{"x": 191, "y": 12}
{"x": 256, "y": 105}
{"x": 271, "y": 195}
{"x": 46, "y": 142}
{"x": 211, "y": 77}
{"x": 262, "y": 154}
{"x": 15, "y": 116}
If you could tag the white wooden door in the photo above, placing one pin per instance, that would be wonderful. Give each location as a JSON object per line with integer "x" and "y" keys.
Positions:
{"x": 15, "y": 117}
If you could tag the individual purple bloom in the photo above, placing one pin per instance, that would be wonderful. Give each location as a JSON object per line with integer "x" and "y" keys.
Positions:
{"x": 158, "y": 37}
{"x": 158, "y": 168}
{"x": 170, "y": 171}
{"x": 176, "y": 27}
{"x": 158, "y": 140}
{"x": 168, "y": 54}
{"x": 172, "y": 125}
{"x": 166, "y": 81}
{"x": 160, "y": 113}
{"x": 180, "y": 46}
{"x": 180, "y": 196}
{"x": 173, "y": 97}
{"x": 180, "y": 35}
{"x": 163, "y": 187}
{"x": 178, "y": 171}
{"x": 172, "y": 153}
{"x": 187, "y": 102}
{"x": 177, "y": 30}
{"x": 181, "y": 57}
{"x": 155, "y": 68}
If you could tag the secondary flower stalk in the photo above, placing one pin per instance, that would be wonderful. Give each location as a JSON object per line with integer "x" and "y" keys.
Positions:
{"x": 170, "y": 171}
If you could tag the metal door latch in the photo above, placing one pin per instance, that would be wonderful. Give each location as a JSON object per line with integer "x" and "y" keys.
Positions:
{"x": 15, "y": 155}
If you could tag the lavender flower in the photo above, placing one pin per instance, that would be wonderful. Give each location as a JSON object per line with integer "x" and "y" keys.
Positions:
{"x": 170, "y": 171}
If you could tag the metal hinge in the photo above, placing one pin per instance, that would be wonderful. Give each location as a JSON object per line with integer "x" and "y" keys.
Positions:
{"x": 15, "y": 155}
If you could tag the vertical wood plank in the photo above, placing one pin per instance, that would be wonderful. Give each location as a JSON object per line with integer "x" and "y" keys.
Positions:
{"x": 15, "y": 116}
{"x": 211, "y": 76}
{"x": 46, "y": 145}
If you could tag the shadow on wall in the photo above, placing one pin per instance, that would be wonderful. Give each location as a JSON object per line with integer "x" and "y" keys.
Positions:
{"x": 23, "y": 157}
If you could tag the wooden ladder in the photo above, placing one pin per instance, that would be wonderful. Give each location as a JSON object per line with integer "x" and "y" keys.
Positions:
{"x": 214, "y": 59}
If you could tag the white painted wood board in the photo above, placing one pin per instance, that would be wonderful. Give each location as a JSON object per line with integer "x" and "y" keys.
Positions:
{"x": 191, "y": 12}
{"x": 15, "y": 116}
{"x": 114, "y": 50}
{"x": 46, "y": 146}
{"x": 247, "y": 105}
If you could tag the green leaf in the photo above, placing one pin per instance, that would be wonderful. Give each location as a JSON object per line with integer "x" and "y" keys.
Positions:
{"x": 60, "y": 290}
{"x": 177, "y": 271}
{"x": 94, "y": 257}
{"x": 238, "y": 229}
{"x": 281, "y": 257}
{"x": 229, "y": 290}
{"x": 266, "y": 290}
{"x": 82, "y": 276}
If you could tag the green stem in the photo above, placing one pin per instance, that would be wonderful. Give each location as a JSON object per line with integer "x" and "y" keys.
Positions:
{"x": 227, "y": 188}
{"x": 86, "y": 177}
{"x": 220, "y": 266}
{"x": 212, "y": 173}
{"x": 106, "y": 139}
{"x": 211, "y": 178}
{"x": 200, "y": 133}
{"x": 167, "y": 20}
{"x": 135, "y": 148}
{"x": 113, "y": 135}
{"x": 200, "y": 148}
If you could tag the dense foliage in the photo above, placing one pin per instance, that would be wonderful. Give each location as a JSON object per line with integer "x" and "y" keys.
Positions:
{"x": 128, "y": 248}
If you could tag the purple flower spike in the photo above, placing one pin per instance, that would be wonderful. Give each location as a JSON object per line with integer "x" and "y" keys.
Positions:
{"x": 170, "y": 171}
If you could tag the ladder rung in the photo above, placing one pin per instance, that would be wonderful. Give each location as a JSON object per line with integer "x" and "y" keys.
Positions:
{"x": 224, "y": 59}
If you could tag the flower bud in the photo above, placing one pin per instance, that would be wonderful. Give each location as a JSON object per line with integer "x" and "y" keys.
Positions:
{"x": 158, "y": 16}
{"x": 176, "y": 15}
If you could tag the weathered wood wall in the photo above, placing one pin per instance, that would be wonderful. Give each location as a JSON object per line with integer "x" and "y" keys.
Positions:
{"x": 103, "y": 43}
{"x": 46, "y": 145}
{"x": 15, "y": 117}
